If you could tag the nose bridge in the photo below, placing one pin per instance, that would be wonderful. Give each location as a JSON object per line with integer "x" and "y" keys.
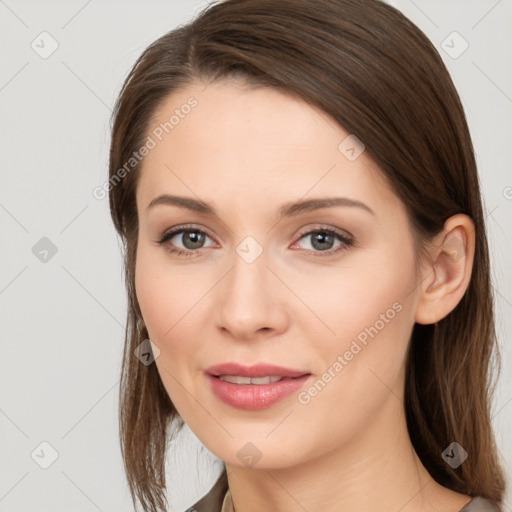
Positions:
{"x": 249, "y": 299}
{"x": 248, "y": 279}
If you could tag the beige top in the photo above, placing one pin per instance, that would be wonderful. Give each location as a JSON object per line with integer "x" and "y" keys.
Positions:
{"x": 219, "y": 500}
{"x": 227, "y": 504}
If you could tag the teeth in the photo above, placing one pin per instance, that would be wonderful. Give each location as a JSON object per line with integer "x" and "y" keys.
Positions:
{"x": 249, "y": 380}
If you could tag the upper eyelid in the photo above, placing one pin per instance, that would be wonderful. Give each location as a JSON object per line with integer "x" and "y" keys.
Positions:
{"x": 319, "y": 227}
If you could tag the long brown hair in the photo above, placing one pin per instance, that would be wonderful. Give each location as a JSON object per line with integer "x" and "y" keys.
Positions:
{"x": 379, "y": 77}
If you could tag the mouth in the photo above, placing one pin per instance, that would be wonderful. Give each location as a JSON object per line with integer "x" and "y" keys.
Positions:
{"x": 235, "y": 379}
{"x": 254, "y": 387}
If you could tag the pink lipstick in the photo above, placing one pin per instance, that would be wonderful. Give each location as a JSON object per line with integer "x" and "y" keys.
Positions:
{"x": 254, "y": 387}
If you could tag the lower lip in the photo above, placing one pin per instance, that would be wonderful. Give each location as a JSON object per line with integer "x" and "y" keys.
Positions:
{"x": 255, "y": 396}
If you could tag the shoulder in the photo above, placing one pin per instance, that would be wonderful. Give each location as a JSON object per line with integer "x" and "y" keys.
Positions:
{"x": 479, "y": 504}
{"x": 212, "y": 501}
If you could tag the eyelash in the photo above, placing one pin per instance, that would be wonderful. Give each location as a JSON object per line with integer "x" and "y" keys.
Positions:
{"x": 347, "y": 242}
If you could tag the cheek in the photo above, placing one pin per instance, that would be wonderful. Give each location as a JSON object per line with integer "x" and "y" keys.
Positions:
{"x": 364, "y": 298}
{"x": 361, "y": 368}
{"x": 170, "y": 301}
{"x": 157, "y": 292}
{"x": 366, "y": 314}
{"x": 170, "y": 298}
{"x": 148, "y": 290}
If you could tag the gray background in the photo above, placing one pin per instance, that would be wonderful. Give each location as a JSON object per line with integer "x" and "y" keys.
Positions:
{"x": 63, "y": 314}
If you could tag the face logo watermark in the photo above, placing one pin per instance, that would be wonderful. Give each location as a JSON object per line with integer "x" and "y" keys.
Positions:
{"x": 44, "y": 45}
{"x": 44, "y": 250}
{"x": 455, "y": 249}
{"x": 351, "y": 147}
{"x": 249, "y": 249}
{"x": 147, "y": 352}
{"x": 454, "y": 455}
{"x": 454, "y": 45}
{"x": 249, "y": 455}
{"x": 44, "y": 455}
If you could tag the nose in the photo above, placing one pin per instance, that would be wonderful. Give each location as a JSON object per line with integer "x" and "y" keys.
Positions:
{"x": 251, "y": 301}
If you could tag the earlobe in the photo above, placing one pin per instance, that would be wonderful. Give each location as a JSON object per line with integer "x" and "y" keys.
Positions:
{"x": 447, "y": 276}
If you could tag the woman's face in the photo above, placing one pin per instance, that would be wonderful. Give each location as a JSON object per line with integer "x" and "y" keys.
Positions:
{"x": 328, "y": 293}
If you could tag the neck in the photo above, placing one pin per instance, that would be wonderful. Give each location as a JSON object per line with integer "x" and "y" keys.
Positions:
{"x": 376, "y": 470}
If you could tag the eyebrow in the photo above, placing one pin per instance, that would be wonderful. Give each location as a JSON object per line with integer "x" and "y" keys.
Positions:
{"x": 286, "y": 210}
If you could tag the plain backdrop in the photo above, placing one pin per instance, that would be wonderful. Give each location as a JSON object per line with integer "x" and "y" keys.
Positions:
{"x": 61, "y": 290}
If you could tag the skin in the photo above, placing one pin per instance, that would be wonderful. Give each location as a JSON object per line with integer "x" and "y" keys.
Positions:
{"x": 246, "y": 151}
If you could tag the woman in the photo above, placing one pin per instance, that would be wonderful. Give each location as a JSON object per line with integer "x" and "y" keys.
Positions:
{"x": 296, "y": 190}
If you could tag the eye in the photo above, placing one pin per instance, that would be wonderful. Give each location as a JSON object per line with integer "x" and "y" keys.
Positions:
{"x": 190, "y": 238}
{"x": 325, "y": 241}
{"x": 186, "y": 240}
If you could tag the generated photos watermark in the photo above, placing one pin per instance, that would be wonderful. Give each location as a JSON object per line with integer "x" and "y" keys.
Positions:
{"x": 357, "y": 345}
{"x": 150, "y": 143}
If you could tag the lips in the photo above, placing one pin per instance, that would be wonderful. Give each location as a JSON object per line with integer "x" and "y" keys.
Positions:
{"x": 254, "y": 387}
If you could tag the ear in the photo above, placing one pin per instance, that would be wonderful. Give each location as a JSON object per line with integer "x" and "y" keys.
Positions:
{"x": 446, "y": 274}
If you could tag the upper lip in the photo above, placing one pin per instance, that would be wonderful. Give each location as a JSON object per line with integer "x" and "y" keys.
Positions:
{"x": 257, "y": 370}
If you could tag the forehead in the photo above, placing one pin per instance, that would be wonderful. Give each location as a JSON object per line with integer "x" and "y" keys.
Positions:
{"x": 238, "y": 141}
